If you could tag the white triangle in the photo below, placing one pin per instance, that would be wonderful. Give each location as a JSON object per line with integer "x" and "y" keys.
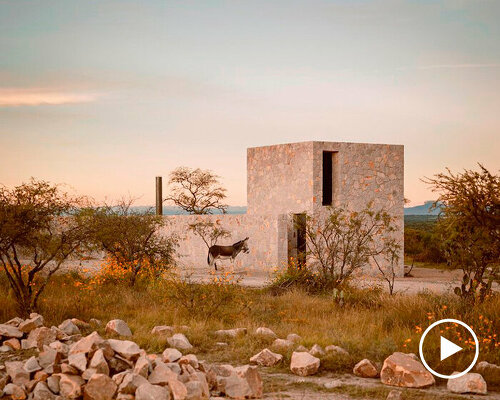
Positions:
{"x": 448, "y": 348}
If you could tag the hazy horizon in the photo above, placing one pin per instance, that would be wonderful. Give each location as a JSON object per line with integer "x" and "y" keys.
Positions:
{"x": 104, "y": 96}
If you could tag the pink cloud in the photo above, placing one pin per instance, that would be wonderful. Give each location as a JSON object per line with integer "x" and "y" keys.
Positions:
{"x": 15, "y": 97}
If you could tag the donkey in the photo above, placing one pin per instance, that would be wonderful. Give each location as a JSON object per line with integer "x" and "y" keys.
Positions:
{"x": 216, "y": 252}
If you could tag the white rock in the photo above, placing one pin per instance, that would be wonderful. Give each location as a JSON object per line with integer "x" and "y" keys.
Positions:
{"x": 468, "y": 383}
{"x": 304, "y": 364}
{"x": 118, "y": 327}
{"x": 230, "y": 333}
{"x": 179, "y": 341}
{"x": 317, "y": 351}
{"x": 69, "y": 328}
{"x": 336, "y": 350}
{"x": 171, "y": 355}
{"x": 125, "y": 348}
{"x": 265, "y": 333}
{"x": 162, "y": 330}
{"x": 266, "y": 358}
{"x": 294, "y": 338}
{"x": 365, "y": 369}
{"x": 147, "y": 391}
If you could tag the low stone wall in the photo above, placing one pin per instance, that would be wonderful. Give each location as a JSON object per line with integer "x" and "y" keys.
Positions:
{"x": 267, "y": 243}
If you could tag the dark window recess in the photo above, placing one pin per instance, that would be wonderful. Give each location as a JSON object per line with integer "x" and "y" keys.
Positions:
{"x": 300, "y": 225}
{"x": 327, "y": 178}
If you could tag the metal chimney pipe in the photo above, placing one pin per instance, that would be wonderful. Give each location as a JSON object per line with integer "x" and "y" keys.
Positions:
{"x": 159, "y": 196}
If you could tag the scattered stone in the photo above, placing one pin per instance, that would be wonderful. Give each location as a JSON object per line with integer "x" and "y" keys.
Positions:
{"x": 190, "y": 359}
{"x": 469, "y": 383}
{"x": 230, "y": 333}
{"x": 42, "y": 392}
{"x": 179, "y": 341}
{"x": 171, "y": 355}
{"x": 304, "y": 364}
{"x": 70, "y": 386}
{"x": 365, "y": 369}
{"x": 333, "y": 384}
{"x": 100, "y": 387}
{"x": 16, "y": 392}
{"x": 99, "y": 363}
{"x": 130, "y": 383}
{"x": 395, "y": 395}
{"x": 78, "y": 361}
{"x": 127, "y": 349}
{"x": 14, "y": 321}
{"x": 283, "y": 344}
{"x": 95, "y": 322}
{"x": 118, "y": 327}
{"x": 142, "y": 366}
{"x": 41, "y": 336}
{"x": 402, "y": 370}
{"x": 18, "y": 375}
{"x": 265, "y": 333}
{"x": 251, "y": 375}
{"x": 31, "y": 365}
{"x": 5, "y": 349}
{"x": 490, "y": 372}
{"x": 30, "y": 324}
{"x": 53, "y": 383}
{"x": 317, "y": 351}
{"x": 301, "y": 349}
{"x": 294, "y": 338}
{"x": 13, "y": 343}
{"x": 162, "y": 330}
{"x": 337, "y": 350}
{"x": 266, "y": 358}
{"x": 147, "y": 391}
{"x": 10, "y": 331}
{"x": 221, "y": 344}
{"x": 69, "y": 328}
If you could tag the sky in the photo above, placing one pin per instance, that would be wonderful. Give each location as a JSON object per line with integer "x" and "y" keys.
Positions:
{"x": 105, "y": 95}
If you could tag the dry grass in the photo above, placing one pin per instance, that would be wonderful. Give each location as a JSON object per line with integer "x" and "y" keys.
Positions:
{"x": 370, "y": 325}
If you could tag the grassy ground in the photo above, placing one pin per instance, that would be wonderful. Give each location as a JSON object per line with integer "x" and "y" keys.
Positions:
{"x": 419, "y": 264}
{"x": 370, "y": 324}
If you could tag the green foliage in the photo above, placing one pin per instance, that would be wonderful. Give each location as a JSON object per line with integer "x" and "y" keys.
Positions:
{"x": 38, "y": 232}
{"x": 469, "y": 227}
{"x": 132, "y": 240}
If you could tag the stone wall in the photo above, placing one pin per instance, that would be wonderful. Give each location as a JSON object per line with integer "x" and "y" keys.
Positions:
{"x": 267, "y": 243}
{"x": 280, "y": 179}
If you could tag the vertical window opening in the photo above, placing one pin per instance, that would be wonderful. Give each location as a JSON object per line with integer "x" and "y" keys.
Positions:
{"x": 327, "y": 178}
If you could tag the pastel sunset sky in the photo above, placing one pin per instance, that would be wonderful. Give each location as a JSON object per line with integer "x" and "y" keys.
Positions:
{"x": 105, "y": 95}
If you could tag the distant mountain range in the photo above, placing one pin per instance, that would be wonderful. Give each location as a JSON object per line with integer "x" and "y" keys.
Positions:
{"x": 424, "y": 209}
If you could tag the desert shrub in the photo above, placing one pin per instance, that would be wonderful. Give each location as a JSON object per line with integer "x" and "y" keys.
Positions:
{"x": 221, "y": 297}
{"x": 135, "y": 243}
{"x": 468, "y": 224}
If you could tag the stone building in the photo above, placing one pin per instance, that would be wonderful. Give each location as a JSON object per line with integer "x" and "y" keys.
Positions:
{"x": 286, "y": 181}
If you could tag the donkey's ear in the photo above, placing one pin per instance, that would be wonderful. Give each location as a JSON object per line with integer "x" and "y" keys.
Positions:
{"x": 246, "y": 238}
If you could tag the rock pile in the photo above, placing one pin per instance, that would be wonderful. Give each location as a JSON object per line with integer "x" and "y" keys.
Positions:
{"x": 70, "y": 366}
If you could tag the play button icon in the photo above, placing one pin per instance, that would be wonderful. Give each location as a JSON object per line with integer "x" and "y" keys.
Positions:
{"x": 435, "y": 334}
{"x": 448, "y": 348}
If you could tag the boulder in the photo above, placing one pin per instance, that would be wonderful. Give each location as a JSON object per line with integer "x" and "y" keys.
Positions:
{"x": 41, "y": 336}
{"x": 28, "y": 325}
{"x": 160, "y": 375}
{"x": 142, "y": 366}
{"x": 98, "y": 363}
{"x": 42, "y": 392}
{"x": 402, "y": 370}
{"x": 118, "y": 327}
{"x": 69, "y": 328}
{"x": 336, "y": 350}
{"x": 304, "y": 364}
{"x": 190, "y": 359}
{"x": 179, "y": 341}
{"x": 130, "y": 383}
{"x": 469, "y": 383}
{"x": 10, "y": 331}
{"x": 15, "y": 392}
{"x": 266, "y": 333}
{"x": 365, "y": 369}
{"x": 162, "y": 330}
{"x": 171, "y": 355}
{"x": 70, "y": 386}
{"x": 230, "y": 333}
{"x": 251, "y": 375}
{"x": 53, "y": 383}
{"x": 294, "y": 338}
{"x": 490, "y": 372}
{"x": 18, "y": 375}
{"x": 90, "y": 344}
{"x": 78, "y": 361}
{"x": 234, "y": 387}
{"x": 100, "y": 387}
{"x": 31, "y": 365}
{"x": 266, "y": 358}
{"x": 13, "y": 343}
{"x": 282, "y": 344}
{"x": 147, "y": 391}
{"x": 127, "y": 349}
{"x": 16, "y": 321}
{"x": 317, "y": 351}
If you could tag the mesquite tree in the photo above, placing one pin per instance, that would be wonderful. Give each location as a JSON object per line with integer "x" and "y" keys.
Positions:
{"x": 38, "y": 232}
{"x": 196, "y": 191}
{"x": 469, "y": 224}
